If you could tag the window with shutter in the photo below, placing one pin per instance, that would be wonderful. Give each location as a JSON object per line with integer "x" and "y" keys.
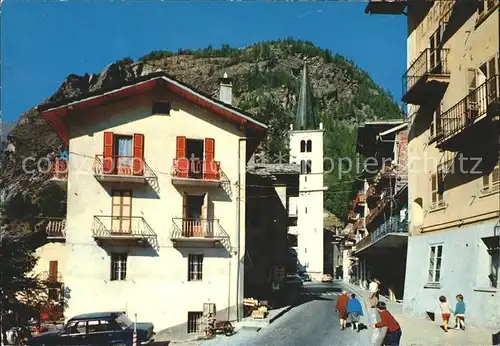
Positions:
{"x": 53, "y": 271}
{"x": 181, "y": 163}
{"x": 138, "y": 165}
{"x": 437, "y": 187}
{"x": 108, "y": 152}
{"x": 210, "y": 169}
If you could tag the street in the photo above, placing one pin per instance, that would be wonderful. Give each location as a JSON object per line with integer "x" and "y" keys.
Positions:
{"x": 312, "y": 321}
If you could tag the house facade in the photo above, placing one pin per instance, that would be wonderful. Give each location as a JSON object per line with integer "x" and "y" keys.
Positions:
{"x": 452, "y": 90}
{"x": 306, "y": 150}
{"x": 380, "y": 208}
{"x": 155, "y": 221}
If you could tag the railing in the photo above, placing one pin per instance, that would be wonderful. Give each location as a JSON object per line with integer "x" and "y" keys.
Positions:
{"x": 122, "y": 166}
{"x": 56, "y": 228}
{"x": 365, "y": 241}
{"x": 391, "y": 225}
{"x": 430, "y": 61}
{"x": 111, "y": 226}
{"x": 47, "y": 276}
{"x": 375, "y": 211}
{"x": 198, "y": 228}
{"x": 482, "y": 100}
{"x": 59, "y": 170}
{"x": 196, "y": 169}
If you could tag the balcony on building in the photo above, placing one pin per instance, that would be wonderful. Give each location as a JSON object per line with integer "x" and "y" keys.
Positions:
{"x": 427, "y": 76}
{"x": 122, "y": 169}
{"x": 123, "y": 230}
{"x": 359, "y": 224}
{"x": 198, "y": 232}
{"x": 392, "y": 233}
{"x": 386, "y": 7}
{"x": 58, "y": 173}
{"x": 195, "y": 163}
{"x": 56, "y": 229}
{"x": 51, "y": 278}
{"x": 471, "y": 118}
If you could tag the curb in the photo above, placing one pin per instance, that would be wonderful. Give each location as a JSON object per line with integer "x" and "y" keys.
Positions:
{"x": 281, "y": 313}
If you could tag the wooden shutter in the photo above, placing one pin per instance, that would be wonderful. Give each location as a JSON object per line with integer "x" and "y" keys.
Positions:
{"x": 434, "y": 189}
{"x": 181, "y": 160}
{"x": 210, "y": 170}
{"x": 53, "y": 270}
{"x": 138, "y": 165}
{"x": 185, "y": 221}
{"x": 108, "y": 151}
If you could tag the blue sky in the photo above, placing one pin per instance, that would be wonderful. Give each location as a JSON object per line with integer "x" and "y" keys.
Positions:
{"x": 43, "y": 42}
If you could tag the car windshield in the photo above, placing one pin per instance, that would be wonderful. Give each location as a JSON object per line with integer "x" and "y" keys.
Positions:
{"x": 124, "y": 321}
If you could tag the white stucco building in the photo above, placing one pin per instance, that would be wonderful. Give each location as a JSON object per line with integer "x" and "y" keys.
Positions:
{"x": 155, "y": 220}
{"x": 306, "y": 149}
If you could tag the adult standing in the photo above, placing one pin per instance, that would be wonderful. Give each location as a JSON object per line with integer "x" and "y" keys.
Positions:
{"x": 393, "y": 335}
{"x": 341, "y": 308}
{"x": 373, "y": 288}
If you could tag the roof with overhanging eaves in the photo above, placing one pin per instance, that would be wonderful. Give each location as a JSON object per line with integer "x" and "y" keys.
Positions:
{"x": 56, "y": 113}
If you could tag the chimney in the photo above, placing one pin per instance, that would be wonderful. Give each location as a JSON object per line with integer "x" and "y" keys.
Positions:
{"x": 226, "y": 89}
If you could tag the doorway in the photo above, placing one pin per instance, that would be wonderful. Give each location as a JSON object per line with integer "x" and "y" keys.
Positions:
{"x": 194, "y": 214}
{"x": 121, "y": 221}
{"x": 123, "y": 154}
{"x": 194, "y": 153}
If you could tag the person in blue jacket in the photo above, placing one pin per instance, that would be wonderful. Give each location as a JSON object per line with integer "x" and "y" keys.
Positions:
{"x": 355, "y": 311}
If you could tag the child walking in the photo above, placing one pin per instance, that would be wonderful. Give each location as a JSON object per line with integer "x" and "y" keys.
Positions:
{"x": 445, "y": 312}
{"x": 460, "y": 313}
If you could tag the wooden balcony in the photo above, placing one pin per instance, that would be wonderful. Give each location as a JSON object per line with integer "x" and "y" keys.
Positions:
{"x": 427, "y": 76}
{"x": 467, "y": 120}
{"x": 359, "y": 224}
{"x": 122, "y": 169}
{"x": 386, "y": 6}
{"x": 56, "y": 229}
{"x": 195, "y": 172}
{"x": 123, "y": 230}
{"x": 199, "y": 233}
{"x": 58, "y": 174}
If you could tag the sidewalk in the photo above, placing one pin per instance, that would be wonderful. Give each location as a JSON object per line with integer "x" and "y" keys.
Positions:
{"x": 420, "y": 331}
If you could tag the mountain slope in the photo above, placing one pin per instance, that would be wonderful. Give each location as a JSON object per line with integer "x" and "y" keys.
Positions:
{"x": 266, "y": 78}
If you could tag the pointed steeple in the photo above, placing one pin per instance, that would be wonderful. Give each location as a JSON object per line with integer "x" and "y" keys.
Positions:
{"x": 305, "y": 117}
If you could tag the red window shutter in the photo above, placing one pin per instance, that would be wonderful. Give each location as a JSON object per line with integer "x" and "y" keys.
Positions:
{"x": 138, "y": 154}
{"x": 210, "y": 169}
{"x": 108, "y": 159}
{"x": 182, "y": 164}
{"x": 53, "y": 270}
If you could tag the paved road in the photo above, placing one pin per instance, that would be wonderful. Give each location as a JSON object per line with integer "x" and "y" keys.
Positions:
{"x": 313, "y": 321}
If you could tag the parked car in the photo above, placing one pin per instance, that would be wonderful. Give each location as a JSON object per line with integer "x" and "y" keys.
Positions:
{"x": 97, "y": 329}
{"x": 292, "y": 282}
{"x": 305, "y": 277}
{"x": 326, "y": 278}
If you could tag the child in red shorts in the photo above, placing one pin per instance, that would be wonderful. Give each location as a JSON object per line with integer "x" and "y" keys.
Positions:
{"x": 445, "y": 312}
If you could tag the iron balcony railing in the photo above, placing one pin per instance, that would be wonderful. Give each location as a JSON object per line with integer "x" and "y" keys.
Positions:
{"x": 482, "y": 100}
{"x": 121, "y": 226}
{"x": 185, "y": 168}
{"x": 51, "y": 277}
{"x": 59, "y": 170}
{"x": 392, "y": 225}
{"x": 56, "y": 228}
{"x": 198, "y": 228}
{"x": 122, "y": 166}
{"x": 430, "y": 61}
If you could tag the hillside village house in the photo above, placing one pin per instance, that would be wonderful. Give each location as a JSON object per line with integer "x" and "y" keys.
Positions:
{"x": 155, "y": 221}
{"x": 452, "y": 88}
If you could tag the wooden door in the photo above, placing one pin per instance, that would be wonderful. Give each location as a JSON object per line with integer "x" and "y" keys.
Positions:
{"x": 53, "y": 271}
{"x": 121, "y": 220}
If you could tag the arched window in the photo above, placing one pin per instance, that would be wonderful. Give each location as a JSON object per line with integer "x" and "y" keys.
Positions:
{"x": 308, "y": 166}
{"x": 302, "y": 166}
{"x": 309, "y": 146}
{"x": 302, "y": 146}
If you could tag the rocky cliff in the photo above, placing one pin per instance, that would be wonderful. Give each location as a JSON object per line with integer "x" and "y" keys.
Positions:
{"x": 266, "y": 77}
